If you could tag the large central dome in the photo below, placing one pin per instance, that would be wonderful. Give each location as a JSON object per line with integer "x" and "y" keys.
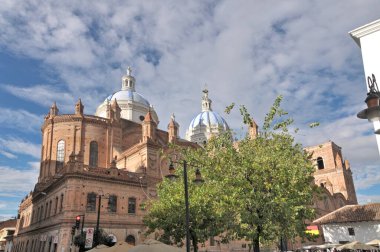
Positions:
{"x": 206, "y": 124}
{"x": 133, "y": 105}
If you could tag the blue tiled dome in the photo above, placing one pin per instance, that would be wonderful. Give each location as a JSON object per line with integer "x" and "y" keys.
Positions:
{"x": 206, "y": 124}
{"x": 208, "y": 119}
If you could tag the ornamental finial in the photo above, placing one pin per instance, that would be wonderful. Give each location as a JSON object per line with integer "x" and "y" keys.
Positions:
{"x": 372, "y": 84}
{"x": 129, "y": 71}
{"x": 205, "y": 90}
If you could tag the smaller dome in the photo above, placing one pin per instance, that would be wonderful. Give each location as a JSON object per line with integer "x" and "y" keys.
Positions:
{"x": 206, "y": 124}
{"x": 209, "y": 119}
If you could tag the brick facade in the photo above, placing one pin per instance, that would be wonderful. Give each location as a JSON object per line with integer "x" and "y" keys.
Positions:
{"x": 128, "y": 166}
{"x": 114, "y": 157}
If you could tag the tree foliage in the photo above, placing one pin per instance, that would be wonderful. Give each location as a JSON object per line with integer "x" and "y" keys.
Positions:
{"x": 259, "y": 190}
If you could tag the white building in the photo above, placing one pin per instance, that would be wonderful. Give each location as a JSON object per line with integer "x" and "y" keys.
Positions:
{"x": 351, "y": 223}
{"x": 368, "y": 39}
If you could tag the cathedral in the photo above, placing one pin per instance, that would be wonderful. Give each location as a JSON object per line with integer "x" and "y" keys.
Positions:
{"x": 109, "y": 163}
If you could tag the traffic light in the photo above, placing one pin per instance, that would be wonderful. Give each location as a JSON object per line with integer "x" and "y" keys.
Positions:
{"x": 77, "y": 222}
{"x": 73, "y": 230}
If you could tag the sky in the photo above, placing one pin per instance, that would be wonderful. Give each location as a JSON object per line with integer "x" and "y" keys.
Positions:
{"x": 247, "y": 52}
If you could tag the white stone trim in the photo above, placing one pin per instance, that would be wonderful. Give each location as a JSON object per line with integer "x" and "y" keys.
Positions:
{"x": 365, "y": 30}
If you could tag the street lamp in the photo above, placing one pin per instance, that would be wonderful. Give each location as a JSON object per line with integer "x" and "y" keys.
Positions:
{"x": 97, "y": 235}
{"x": 372, "y": 112}
{"x": 198, "y": 180}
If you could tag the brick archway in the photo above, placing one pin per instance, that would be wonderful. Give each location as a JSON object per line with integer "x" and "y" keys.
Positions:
{"x": 130, "y": 239}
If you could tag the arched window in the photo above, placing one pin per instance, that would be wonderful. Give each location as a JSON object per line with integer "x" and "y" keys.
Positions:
{"x": 112, "y": 203}
{"x": 60, "y": 154}
{"x": 130, "y": 240}
{"x": 93, "y": 154}
{"x": 91, "y": 202}
{"x": 132, "y": 205}
{"x": 320, "y": 163}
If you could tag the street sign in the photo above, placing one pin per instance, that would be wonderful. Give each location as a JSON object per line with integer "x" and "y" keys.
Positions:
{"x": 89, "y": 237}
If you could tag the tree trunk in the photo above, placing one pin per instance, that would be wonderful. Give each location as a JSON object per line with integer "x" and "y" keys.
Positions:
{"x": 283, "y": 244}
{"x": 194, "y": 239}
{"x": 256, "y": 240}
{"x": 256, "y": 245}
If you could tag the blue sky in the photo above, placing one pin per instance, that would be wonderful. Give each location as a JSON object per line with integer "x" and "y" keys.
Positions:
{"x": 246, "y": 52}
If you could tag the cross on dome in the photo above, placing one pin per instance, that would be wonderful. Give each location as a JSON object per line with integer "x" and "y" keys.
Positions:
{"x": 129, "y": 71}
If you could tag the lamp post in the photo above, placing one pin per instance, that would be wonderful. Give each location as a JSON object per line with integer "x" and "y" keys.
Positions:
{"x": 372, "y": 112}
{"x": 97, "y": 233}
{"x": 96, "y": 240}
{"x": 198, "y": 180}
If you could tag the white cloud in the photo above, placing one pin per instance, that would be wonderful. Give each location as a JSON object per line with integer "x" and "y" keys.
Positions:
{"x": 2, "y": 204}
{"x": 20, "y": 119}
{"x": 16, "y": 145}
{"x": 4, "y": 217}
{"x": 21, "y": 180}
{"x": 367, "y": 176}
{"x": 247, "y": 52}
{"x": 44, "y": 95}
{"x": 7, "y": 154}
{"x": 34, "y": 165}
{"x": 14, "y": 186}
{"x": 365, "y": 199}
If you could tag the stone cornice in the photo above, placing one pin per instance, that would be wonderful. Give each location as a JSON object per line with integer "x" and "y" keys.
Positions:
{"x": 97, "y": 174}
{"x": 76, "y": 118}
{"x": 365, "y": 30}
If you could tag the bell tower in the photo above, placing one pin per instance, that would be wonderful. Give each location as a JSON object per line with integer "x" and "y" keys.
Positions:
{"x": 332, "y": 172}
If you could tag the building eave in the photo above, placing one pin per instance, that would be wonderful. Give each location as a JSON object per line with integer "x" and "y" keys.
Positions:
{"x": 364, "y": 30}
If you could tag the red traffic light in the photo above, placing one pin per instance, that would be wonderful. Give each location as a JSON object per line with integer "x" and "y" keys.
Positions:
{"x": 77, "y": 222}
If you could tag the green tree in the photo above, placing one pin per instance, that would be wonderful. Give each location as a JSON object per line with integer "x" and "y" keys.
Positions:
{"x": 260, "y": 190}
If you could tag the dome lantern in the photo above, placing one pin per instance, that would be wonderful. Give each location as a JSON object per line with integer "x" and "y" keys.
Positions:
{"x": 128, "y": 81}
{"x": 206, "y": 102}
